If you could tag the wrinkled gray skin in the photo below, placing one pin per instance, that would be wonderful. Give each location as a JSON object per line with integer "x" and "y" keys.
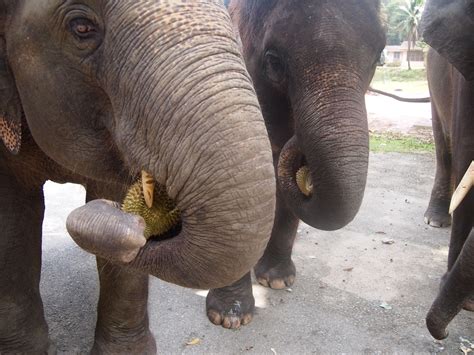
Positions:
{"x": 448, "y": 28}
{"x": 102, "y": 90}
{"x": 311, "y": 62}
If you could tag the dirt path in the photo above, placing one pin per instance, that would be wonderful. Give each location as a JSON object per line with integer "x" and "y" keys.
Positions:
{"x": 388, "y": 115}
{"x": 334, "y": 306}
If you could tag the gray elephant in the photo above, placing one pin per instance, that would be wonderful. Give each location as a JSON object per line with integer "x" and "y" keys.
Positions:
{"x": 311, "y": 63}
{"x": 94, "y": 92}
{"x": 448, "y": 27}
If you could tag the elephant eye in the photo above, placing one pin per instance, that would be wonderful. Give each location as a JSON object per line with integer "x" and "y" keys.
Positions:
{"x": 274, "y": 67}
{"x": 83, "y": 28}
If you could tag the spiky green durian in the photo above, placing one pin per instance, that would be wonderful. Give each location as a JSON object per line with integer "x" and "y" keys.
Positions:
{"x": 304, "y": 182}
{"x": 160, "y": 218}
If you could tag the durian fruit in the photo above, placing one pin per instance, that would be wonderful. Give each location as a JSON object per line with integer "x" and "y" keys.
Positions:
{"x": 304, "y": 182}
{"x": 154, "y": 206}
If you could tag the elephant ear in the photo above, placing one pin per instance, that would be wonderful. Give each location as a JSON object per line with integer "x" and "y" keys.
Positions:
{"x": 10, "y": 106}
{"x": 447, "y": 26}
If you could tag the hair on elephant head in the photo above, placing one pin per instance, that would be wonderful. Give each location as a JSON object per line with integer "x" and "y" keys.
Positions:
{"x": 110, "y": 88}
{"x": 447, "y": 26}
{"x": 312, "y": 62}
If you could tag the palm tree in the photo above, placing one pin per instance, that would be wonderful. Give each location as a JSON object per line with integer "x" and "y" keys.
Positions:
{"x": 408, "y": 20}
{"x": 389, "y": 12}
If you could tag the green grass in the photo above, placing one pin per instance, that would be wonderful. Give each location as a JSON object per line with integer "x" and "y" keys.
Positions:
{"x": 398, "y": 74}
{"x": 399, "y": 81}
{"x": 388, "y": 143}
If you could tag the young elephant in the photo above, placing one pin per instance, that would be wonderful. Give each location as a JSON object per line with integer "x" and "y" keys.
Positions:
{"x": 96, "y": 91}
{"x": 448, "y": 27}
{"x": 311, "y": 63}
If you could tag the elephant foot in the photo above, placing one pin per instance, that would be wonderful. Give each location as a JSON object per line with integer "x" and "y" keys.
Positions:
{"x": 275, "y": 274}
{"x": 469, "y": 304}
{"x": 125, "y": 344}
{"x": 231, "y": 306}
{"x": 437, "y": 216}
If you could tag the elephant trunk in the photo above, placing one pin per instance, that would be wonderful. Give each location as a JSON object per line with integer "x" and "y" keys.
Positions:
{"x": 456, "y": 290}
{"x": 322, "y": 170}
{"x": 187, "y": 113}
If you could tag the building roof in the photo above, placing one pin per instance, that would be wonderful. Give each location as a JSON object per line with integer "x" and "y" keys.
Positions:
{"x": 402, "y": 48}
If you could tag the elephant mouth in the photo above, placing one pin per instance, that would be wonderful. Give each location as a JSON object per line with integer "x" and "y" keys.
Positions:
{"x": 294, "y": 173}
{"x": 149, "y": 200}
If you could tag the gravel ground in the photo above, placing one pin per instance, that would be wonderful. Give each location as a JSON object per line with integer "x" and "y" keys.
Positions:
{"x": 343, "y": 278}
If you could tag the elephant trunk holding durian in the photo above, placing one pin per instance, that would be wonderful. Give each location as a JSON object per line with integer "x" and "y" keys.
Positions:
{"x": 96, "y": 92}
{"x": 311, "y": 63}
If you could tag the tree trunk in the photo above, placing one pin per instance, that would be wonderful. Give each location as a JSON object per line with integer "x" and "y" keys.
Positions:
{"x": 409, "y": 51}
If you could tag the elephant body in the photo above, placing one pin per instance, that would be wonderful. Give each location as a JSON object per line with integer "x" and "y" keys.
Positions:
{"x": 311, "y": 63}
{"x": 447, "y": 27}
{"x": 93, "y": 92}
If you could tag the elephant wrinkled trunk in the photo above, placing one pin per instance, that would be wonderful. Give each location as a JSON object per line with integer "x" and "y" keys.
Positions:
{"x": 322, "y": 170}
{"x": 457, "y": 289}
{"x": 187, "y": 114}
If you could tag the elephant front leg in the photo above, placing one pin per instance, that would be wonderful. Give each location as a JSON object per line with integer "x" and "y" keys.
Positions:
{"x": 23, "y": 328}
{"x": 122, "y": 313}
{"x": 231, "y": 306}
{"x": 437, "y": 214}
{"x": 276, "y": 268}
{"x": 122, "y": 320}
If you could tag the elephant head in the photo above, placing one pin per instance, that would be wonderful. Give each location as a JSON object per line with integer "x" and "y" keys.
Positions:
{"x": 312, "y": 62}
{"x": 112, "y": 87}
{"x": 447, "y": 26}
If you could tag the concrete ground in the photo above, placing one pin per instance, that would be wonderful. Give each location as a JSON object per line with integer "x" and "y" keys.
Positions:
{"x": 343, "y": 278}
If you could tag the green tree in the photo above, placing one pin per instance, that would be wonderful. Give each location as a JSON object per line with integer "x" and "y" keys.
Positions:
{"x": 389, "y": 11}
{"x": 408, "y": 19}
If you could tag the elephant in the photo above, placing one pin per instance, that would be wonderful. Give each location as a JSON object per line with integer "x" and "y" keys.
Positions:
{"x": 311, "y": 63}
{"x": 94, "y": 92}
{"x": 445, "y": 26}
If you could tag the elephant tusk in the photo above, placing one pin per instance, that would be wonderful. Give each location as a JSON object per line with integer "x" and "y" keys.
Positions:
{"x": 464, "y": 186}
{"x": 304, "y": 181}
{"x": 148, "y": 184}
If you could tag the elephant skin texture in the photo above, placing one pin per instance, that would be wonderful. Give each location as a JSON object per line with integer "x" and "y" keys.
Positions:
{"x": 311, "y": 63}
{"x": 94, "y": 92}
{"x": 447, "y": 26}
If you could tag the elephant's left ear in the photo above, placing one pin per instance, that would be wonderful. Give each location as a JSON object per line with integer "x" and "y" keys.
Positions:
{"x": 10, "y": 106}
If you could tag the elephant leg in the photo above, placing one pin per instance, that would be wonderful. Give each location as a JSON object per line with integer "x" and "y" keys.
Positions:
{"x": 457, "y": 289}
{"x": 231, "y": 306}
{"x": 276, "y": 269}
{"x": 437, "y": 213}
{"x": 122, "y": 319}
{"x": 462, "y": 225}
{"x": 122, "y": 313}
{"x": 23, "y": 328}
